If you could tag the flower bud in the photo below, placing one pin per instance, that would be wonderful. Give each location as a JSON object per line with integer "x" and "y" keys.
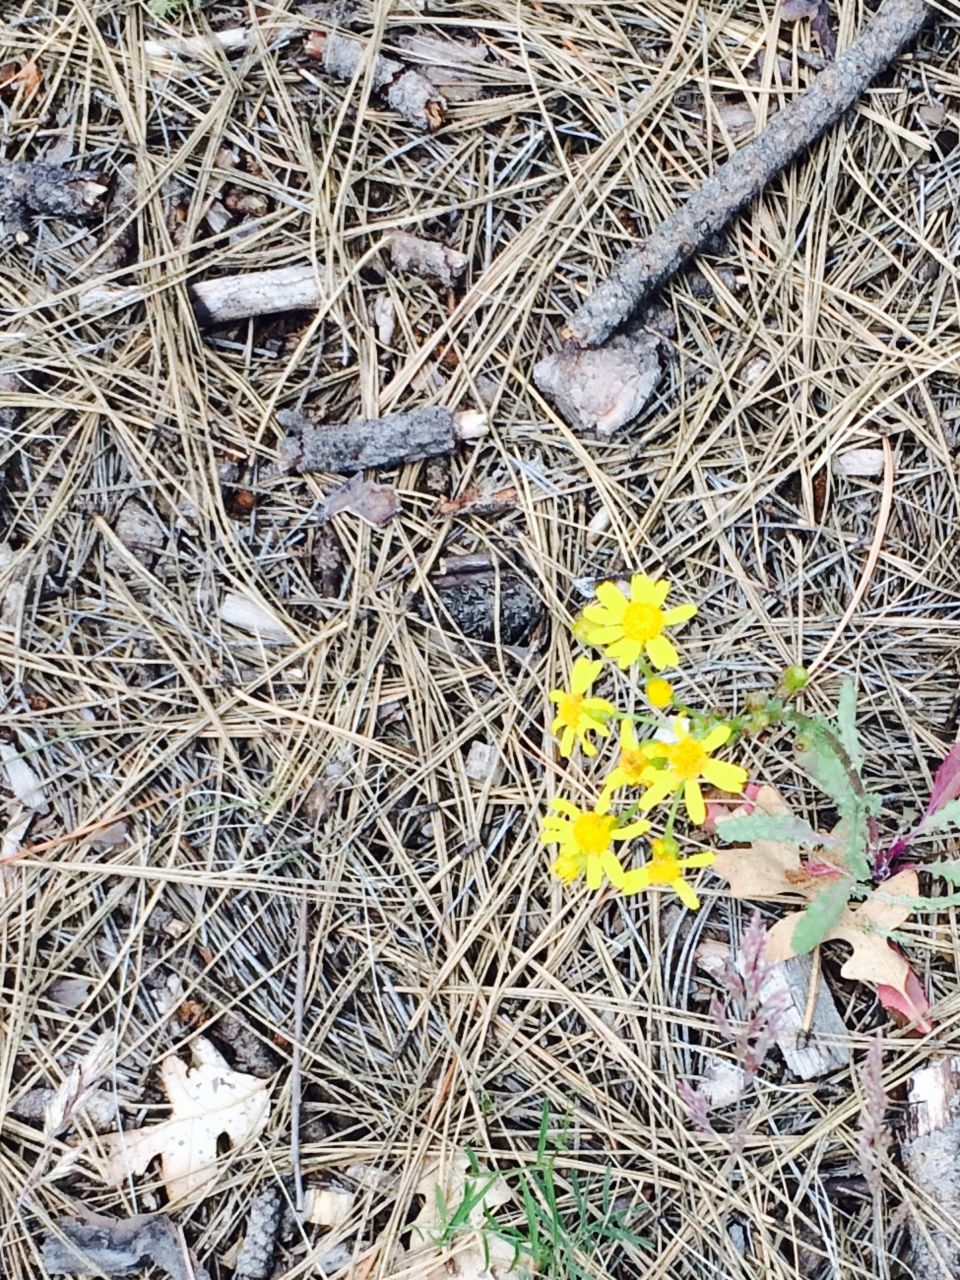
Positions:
{"x": 659, "y": 692}
{"x": 795, "y": 679}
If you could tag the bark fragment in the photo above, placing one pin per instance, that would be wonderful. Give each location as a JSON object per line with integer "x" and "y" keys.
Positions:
{"x": 409, "y": 93}
{"x": 601, "y": 389}
{"x": 27, "y": 189}
{"x": 426, "y": 258}
{"x": 369, "y": 442}
{"x": 641, "y": 270}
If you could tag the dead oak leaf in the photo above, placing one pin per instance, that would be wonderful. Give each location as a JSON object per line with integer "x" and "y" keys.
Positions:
{"x": 206, "y": 1101}
{"x": 865, "y": 930}
{"x": 764, "y": 868}
{"x": 474, "y": 1252}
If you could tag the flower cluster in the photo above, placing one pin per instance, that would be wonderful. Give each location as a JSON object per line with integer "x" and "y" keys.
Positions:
{"x": 665, "y": 763}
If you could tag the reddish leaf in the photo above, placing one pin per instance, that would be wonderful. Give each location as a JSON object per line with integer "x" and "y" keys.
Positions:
{"x": 946, "y": 784}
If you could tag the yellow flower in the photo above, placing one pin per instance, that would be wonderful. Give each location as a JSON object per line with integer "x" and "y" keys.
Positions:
{"x": 586, "y": 838}
{"x": 577, "y": 715}
{"x": 631, "y": 769}
{"x": 659, "y": 692}
{"x": 682, "y": 763}
{"x": 666, "y": 870}
{"x": 627, "y": 629}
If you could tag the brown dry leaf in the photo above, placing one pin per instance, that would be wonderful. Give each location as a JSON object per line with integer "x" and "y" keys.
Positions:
{"x": 766, "y": 868}
{"x": 206, "y": 1100}
{"x": 26, "y": 77}
{"x": 378, "y": 504}
{"x": 865, "y": 930}
{"x": 475, "y": 1253}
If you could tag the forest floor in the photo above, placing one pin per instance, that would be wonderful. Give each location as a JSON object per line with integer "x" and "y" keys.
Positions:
{"x": 260, "y": 794}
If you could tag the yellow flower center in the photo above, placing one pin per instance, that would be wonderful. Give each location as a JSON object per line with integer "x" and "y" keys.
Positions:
{"x": 664, "y": 866}
{"x": 633, "y": 764}
{"x": 570, "y": 708}
{"x": 591, "y": 832}
{"x": 687, "y": 759}
{"x": 642, "y": 622}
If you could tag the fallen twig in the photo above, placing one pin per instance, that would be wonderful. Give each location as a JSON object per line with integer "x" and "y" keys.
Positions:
{"x": 374, "y": 442}
{"x": 27, "y": 189}
{"x": 643, "y": 269}
{"x": 226, "y": 298}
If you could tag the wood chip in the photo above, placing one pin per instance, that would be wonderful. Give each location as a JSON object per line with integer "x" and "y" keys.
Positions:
{"x": 602, "y": 389}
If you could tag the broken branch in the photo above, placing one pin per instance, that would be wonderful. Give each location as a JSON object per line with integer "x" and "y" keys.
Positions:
{"x": 641, "y": 270}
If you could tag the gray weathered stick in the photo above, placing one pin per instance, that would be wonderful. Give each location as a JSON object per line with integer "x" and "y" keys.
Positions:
{"x": 373, "y": 442}
{"x": 27, "y": 189}
{"x": 641, "y": 270}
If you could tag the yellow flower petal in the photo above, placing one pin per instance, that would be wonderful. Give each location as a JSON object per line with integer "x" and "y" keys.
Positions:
{"x": 686, "y": 895}
{"x": 661, "y": 652}
{"x": 636, "y": 880}
{"x": 658, "y": 790}
{"x": 610, "y": 595}
{"x": 567, "y": 742}
{"x": 716, "y": 737}
{"x": 612, "y": 868}
{"x": 679, "y": 614}
{"x": 693, "y": 799}
{"x": 625, "y": 652}
{"x": 585, "y": 671}
{"x": 728, "y": 777}
{"x": 631, "y": 829}
{"x": 599, "y": 707}
{"x": 594, "y": 873}
{"x": 699, "y": 860}
{"x": 644, "y": 590}
{"x": 563, "y": 806}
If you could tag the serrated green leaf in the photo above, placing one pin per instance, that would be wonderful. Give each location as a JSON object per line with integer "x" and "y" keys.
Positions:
{"x": 948, "y": 816}
{"x": 949, "y": 871}
{"x": 768, "y": 826}
{"x": 816, "y": 921}
{"x": 847, "y": 724}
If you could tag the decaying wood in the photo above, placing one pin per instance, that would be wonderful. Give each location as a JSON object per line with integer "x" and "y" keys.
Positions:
{"x": 643, "y": 269}
{"x": 426, "y": 258}
{"x": 27, "y": 189}
{"x": 119, "y": 1248}
{"x": 373, "y": 442}
{"x": 808, "y": 1054}
{"x": 601, "y": 388}
{"x": 408, "y": 92}
{"x": 931, "y": 1157}
{"x": 483, "y": 603}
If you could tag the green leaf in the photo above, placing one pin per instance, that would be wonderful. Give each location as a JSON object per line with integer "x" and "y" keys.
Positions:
{"x": 847, "y": 724}
{"x": 832, "y": 776}
{"x": 948, "y": 816}
{"x": 769, "y": 826}
{"x": 814, "y": 923}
